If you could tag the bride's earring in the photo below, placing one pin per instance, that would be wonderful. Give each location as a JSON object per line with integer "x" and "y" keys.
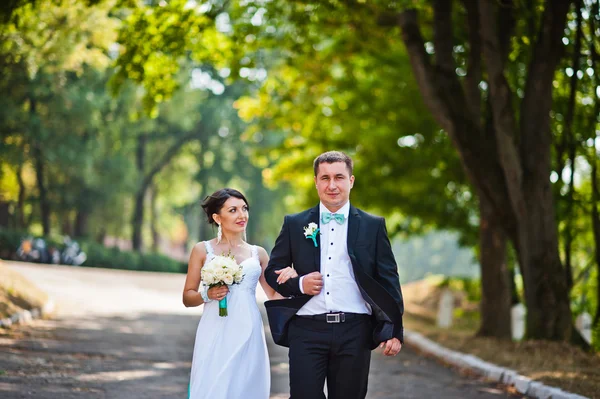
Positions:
{"x": 219, "y": 234}
{"x": 245, "y": 239}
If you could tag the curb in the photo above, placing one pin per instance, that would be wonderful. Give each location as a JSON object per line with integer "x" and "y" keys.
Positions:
{"x": 26, "y": 316}
{"x": 492, "y": 372}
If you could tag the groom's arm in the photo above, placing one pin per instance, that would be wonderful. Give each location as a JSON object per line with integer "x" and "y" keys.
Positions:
{"x": 281, "y": 257}
{"x": 387, "y": 274}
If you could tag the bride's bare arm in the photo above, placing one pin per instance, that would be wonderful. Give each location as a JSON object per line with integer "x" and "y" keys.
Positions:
{"x": 191, "y": 296}
{"x": 284, "y": 275}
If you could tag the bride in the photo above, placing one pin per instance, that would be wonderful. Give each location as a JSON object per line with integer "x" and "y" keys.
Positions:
{"x": 230, "y": 358}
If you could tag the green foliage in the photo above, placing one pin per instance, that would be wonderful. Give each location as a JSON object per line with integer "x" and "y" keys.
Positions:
{"x": 114, "y": 258}
{"x": 470, "y": 286}
{"x": 316, "y": 76}
{"x": 332, "y": 87}
{"x": 596, "y": 337}
{"x": 88, "y": 139}
{"x": 155, "y": 37}
{"x": 9, "y": 242}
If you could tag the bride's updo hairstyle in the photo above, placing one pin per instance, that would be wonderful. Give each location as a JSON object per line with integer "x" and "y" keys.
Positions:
{"x": 213, "y": 203}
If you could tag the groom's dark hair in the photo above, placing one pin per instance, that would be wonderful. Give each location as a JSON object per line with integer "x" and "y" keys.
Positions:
{"x": 214, "y": 202}
{"x": 332, "y": 157}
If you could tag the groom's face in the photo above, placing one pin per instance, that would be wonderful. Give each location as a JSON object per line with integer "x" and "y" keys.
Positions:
{"x": 333, "y": 183}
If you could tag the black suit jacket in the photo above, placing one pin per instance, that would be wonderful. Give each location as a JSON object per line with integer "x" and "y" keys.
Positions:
{"x": 372, "y": 261}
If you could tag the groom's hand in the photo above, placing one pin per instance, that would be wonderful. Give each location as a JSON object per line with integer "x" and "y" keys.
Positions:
{"x": 391, "y": 347}
{"x": 312, "y": 283}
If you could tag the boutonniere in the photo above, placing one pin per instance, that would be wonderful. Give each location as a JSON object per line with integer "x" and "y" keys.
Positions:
{"x": 311, "y": 232}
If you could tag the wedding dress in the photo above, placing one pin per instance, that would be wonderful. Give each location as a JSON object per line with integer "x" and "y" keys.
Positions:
{"x": 230, "y": 358}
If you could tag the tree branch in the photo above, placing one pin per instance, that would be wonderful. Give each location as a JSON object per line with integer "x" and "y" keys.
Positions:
{"x": 570, "y": 141}
{"x": 444, "y": 96}
{"x": 537, "y": 102}
{"x": 166, "y": 158}
{"x": 506, "y": 27}
{"x": 443, "y": 37}
{"x": 474, "y": 72}
{"x": 503, "y": 115}
{"x": 422, "y": 69}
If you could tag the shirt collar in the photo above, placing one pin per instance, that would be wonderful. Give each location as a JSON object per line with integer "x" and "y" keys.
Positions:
{"x": 344, "y": 210}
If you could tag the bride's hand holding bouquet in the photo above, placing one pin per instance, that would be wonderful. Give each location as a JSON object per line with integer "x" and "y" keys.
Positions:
{"x": 222, "y": 271}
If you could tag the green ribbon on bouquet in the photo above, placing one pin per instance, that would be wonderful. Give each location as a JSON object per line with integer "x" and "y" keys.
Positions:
{"x": 223, "y": 307}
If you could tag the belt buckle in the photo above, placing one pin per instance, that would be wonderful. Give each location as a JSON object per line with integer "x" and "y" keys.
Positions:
{"x": 335, "y": 318}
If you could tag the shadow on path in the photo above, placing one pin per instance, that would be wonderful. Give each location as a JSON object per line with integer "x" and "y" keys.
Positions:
{"x": 146, "y": 356}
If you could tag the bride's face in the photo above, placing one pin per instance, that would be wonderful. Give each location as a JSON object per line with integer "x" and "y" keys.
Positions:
{"x": 233, "y": 216}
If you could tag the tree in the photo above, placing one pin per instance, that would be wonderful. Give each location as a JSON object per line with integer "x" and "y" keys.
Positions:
{"x": 41, "y": 46}
{"x": 351, "y": 88}
{"x": 506, "y": 157}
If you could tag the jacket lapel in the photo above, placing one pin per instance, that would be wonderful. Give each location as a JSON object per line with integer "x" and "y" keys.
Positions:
{"x": 313, "y": 217}
{"x": 353, "y": 228}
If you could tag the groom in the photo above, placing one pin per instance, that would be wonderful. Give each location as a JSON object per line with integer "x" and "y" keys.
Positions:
{"x": 346, "y": 299}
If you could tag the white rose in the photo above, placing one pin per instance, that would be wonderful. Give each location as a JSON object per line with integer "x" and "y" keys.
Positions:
{"x": 219, "y": 273}
{"x": 228, "y": 279}
{"x": 238, "y": 276}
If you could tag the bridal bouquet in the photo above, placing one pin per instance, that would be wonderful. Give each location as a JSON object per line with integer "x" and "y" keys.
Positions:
{"x": 222, "y": 270}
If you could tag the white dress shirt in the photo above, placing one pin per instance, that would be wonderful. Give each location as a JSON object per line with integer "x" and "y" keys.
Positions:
{"x": 340, "y": 292}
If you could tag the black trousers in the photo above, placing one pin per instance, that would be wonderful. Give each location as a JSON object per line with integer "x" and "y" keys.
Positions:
{"x": 339, "y": 352}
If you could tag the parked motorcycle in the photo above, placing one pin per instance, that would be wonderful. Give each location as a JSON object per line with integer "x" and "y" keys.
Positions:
{"x": 33, "y": 250}
{"x": 72, "y": 253}
{"x": 36, "y": 250}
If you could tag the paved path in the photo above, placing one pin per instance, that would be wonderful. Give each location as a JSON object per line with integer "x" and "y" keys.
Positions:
{"x": 120, "y": 334}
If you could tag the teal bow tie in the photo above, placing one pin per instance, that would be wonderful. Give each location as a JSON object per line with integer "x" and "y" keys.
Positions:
{"x": 326, "y": 217}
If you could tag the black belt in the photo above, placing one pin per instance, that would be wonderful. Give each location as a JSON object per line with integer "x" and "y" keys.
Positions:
{"x": 339, "y": 317}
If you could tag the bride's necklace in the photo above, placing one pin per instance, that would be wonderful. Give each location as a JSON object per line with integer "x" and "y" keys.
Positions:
{"x": 230, "y": 248}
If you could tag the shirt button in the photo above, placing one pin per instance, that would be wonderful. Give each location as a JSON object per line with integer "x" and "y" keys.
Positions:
{"x": 328, "y": 293}
{"x": 332, "y": 230}
{"x": 331, "y": 243}
{"x": 330, "y": 258}
{"x": 328, "y": 274}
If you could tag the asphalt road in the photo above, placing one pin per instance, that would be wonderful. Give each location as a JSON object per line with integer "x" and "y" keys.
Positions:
{"x": 120, "y": 334}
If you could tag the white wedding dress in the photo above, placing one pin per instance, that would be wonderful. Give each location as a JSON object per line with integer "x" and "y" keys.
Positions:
{"x": 230, "y": 353}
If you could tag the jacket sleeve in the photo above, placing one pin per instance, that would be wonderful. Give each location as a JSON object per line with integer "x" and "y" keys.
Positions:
{"x": 387, "y": 274}
{"x": 281, "y": 257}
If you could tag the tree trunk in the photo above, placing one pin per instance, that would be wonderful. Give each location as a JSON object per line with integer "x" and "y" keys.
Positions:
{"x": 21, "y": 224}
{"x": 4, "y": 214}
{"x": 66, "y": 223}
{"x": 147, "y": 179}
{"x": 593, "y": 160}
{"x": 100, "y": 235}
{"x": 514, "y": 294}
{"x": 546, "y": 293}
{"x": 138, "y": 209}
{"x": 39, "y": 175}
{"x": 596, "y": 228}
{"x": 81, "y": 223}
{"x": 569, "y": 140}
{"x": 512, "y": 167}
{"x": 138, "y": 220}
{"x": 154, "y": 218}
{"x": 43, "y": 192}
{"x": 495, "y": 284}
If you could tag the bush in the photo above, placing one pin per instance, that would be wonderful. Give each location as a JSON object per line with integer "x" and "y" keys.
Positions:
{"x": 97, "y": 255}
{"x": 114, "y": 258}
{"x": 9, "y": 242}
{"x": 470, "y": 286}
{"x": 161, "y": 263}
